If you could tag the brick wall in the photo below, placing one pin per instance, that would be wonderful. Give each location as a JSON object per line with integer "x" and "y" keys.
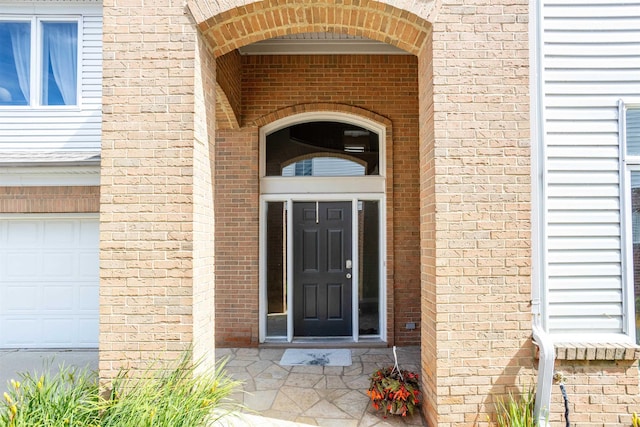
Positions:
{"x": 600, "y": 392}
{"x": 54, "y": 199}
{"x": 203, "y": 219}
{"x": 386, "y": 85}
{"x": 153, "y": 241}
{"x": 229, "y": 85}
{"x": 481, "y": 206}
{"x": 236, "y": 251}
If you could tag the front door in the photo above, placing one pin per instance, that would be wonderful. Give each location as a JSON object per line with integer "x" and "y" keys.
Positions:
{"x": 322, "y": 294}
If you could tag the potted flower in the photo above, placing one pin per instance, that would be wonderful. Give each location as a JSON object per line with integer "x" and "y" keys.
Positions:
{"x": 394, "y": 390}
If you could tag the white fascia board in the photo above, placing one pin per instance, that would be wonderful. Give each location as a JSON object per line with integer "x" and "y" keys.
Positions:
{"x": 42, "y": 176}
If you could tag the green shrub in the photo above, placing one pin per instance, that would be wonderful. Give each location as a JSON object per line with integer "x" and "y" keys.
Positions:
{"x": 168, "y": 398}
{"x": 64, "y": 399}
{"x": 516, "y": 410}
{"x": 158, "y": 397}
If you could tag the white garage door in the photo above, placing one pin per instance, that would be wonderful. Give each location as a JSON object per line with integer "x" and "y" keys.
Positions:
{"x": 49, "y": 281}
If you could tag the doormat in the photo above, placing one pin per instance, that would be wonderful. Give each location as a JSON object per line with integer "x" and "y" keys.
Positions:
{"x": 316, "y": 357}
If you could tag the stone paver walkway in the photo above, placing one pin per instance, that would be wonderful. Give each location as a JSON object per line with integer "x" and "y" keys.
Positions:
{"x": 275, "y": 395}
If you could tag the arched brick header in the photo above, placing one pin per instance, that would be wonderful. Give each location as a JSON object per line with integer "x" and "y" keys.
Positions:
{"x": 315, "y": 107}
{"x": 245, "y": 24}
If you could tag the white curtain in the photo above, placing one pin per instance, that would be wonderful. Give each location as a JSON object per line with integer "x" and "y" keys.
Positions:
{"x": 21, "y": 46}
{"x": 60, "y": 50}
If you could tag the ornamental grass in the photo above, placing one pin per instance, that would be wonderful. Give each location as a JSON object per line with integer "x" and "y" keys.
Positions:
{"x": 516, "y": 410}
{"x": 64, "y": 399}
{"x": 177, "y": 396}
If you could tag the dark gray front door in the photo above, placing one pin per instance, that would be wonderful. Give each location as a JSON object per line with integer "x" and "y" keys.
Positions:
{"x": 322, "y": 278}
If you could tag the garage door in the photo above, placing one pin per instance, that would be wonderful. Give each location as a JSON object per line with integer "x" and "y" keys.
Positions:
{"x": 49, "y": 282}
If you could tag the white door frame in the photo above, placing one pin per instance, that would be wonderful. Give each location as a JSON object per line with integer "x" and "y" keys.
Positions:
{"x": 288, "y": 201}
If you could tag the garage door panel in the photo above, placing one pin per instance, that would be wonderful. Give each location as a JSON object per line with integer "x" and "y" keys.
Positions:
{"x": 20, "y": 297}
{"x": 13, "y": 331}
{"x": 87, "y": 330}
{"x": 89, "y": 235}
{"x": 88, "y": 263}
{"x": 88, "y": 298}
{"x": 49, "y": 276}
{"x": 58, "y": 298}
{"x": 22, "y": 264}
{"x": 22, "y": 234}
{"x": 59, "y": 264}
{"x": 58, "y": 332}
{"x": 58, "y": 234}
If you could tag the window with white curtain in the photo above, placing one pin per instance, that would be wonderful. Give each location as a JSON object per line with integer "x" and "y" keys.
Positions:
{"x": 38, "y": 62}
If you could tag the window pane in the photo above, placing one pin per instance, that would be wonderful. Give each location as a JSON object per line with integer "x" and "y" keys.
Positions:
{"x": 633, "y": 131}
{"x": 276, "y": 270}
{"x": 324, "y": 166}
{"x": 369, "y": 268}
{"x": 15, "y": 54}
{"x": 635, "y": 214}
{"x": 322, "y": 149}
{"x": 59, "y": 63}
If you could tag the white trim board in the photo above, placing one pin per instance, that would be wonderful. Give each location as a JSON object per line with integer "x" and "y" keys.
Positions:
{"x": 39, "y": 176}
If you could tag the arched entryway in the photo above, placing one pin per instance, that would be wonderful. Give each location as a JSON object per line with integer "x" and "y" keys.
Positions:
{"x": 323, "y": 239}
{"x": 255, "y": 91}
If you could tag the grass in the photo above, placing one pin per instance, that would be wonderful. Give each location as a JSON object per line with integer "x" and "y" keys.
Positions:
{"x": 171, "y": 397}
{"x": 516, "y": 410}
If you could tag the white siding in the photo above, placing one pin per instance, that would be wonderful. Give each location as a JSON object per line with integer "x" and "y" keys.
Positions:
{"x": 590, "y": 60}
{"x": 61, "y": 128}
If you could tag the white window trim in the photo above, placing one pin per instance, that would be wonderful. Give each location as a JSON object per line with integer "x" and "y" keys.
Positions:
{"x": 325, "y": 116}
{"x": 628, "y": 164}
{"x": 293, "y": 189}
{"x": 35, "y": 74}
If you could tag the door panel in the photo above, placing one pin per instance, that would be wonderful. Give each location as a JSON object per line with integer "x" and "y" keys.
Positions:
{"x": 334, "y": 300}
{"x": 310, "y": 251}
{"x": 322, "y": 291}
{"x": 310, "y": 301}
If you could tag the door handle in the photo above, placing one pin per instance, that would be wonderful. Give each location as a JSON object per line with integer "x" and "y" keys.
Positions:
{"x": 348, "y": 275}
{"x": 348, "y": 264}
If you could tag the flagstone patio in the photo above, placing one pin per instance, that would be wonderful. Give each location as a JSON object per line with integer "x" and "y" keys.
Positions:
{"x": 275, "y": 395}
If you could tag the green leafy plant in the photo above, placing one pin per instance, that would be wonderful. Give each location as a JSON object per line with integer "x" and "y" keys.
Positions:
{"x": 395, "y": 391}
{"x": 64, "y": 399}
{"x": 175, "y": 396}
{"x": 516, "y": 410}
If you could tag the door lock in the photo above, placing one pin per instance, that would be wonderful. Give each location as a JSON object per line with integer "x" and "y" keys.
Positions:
{"x": 348, "y": 275}
{"x": 348, "y": 264}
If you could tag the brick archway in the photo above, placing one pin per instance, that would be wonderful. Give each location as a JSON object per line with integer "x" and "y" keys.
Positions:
{"x": 239, "y": 25}
{"x": 227, "y": 28}
{"x": 322, "y": 106}
{"x": 473, "y": 225}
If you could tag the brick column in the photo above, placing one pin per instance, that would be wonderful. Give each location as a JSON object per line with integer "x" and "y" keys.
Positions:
{"x": 156, "y": 235}
{"x": 476, "y": 270}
